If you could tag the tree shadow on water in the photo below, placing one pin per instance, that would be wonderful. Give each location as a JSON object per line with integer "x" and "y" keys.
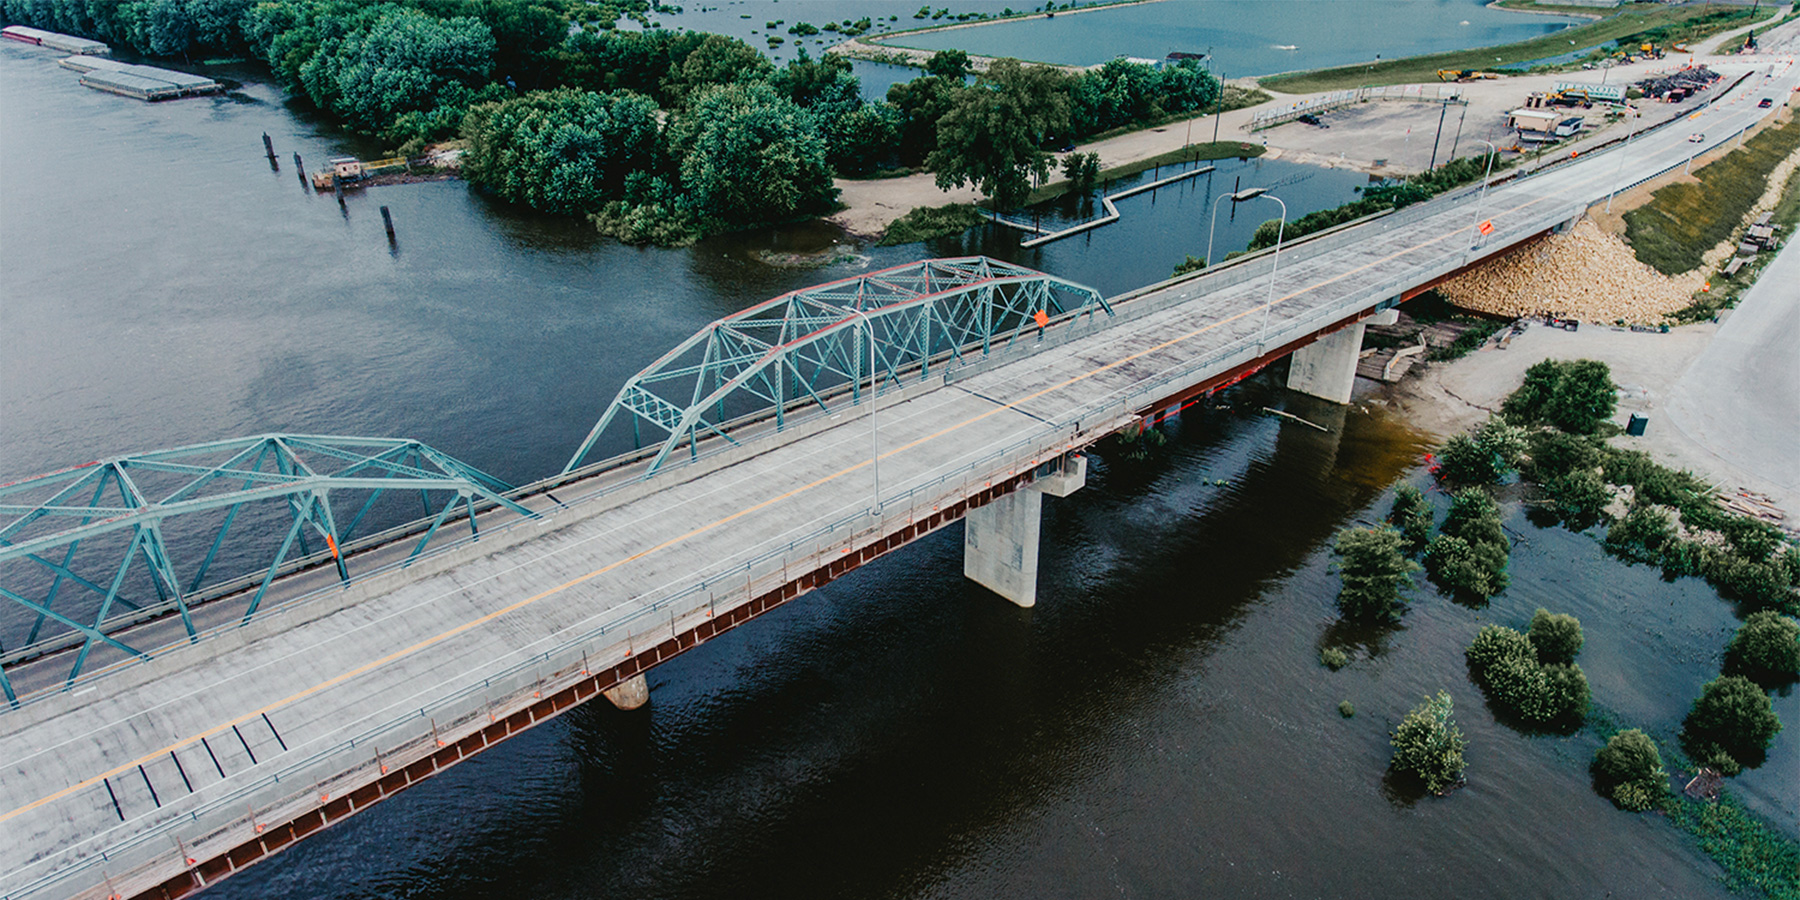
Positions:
{"x": 1359, "y": 640}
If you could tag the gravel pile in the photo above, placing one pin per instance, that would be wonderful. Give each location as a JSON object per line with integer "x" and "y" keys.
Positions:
{"x": 1584, "y": 274}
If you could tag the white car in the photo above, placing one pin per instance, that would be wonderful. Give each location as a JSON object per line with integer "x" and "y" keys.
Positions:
{"x": 1696, "y": 138}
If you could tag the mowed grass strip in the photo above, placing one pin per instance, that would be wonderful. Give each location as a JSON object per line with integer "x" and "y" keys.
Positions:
{"x": 1684, "y": 220}
{"x": 1666, "y": 25}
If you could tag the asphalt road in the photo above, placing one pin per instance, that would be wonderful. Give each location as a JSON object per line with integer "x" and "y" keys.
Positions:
{"x": 1740, "y": 400}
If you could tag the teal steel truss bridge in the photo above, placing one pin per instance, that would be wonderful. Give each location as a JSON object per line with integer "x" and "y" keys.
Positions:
{"x": 93, "y": 550}
{"x": 809, "y": 349}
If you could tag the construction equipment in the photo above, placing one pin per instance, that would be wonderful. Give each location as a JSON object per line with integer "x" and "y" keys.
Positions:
{"x": 1461, "y": 75}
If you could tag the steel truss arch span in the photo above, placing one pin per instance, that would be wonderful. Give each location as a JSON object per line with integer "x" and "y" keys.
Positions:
{"x": 50, "y": 523}
{"x": 807, "y": 348}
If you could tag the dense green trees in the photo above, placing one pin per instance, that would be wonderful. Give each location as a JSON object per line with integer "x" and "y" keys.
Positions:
{"x": 1540, "y": 684}
{"x": 1576, "y": 397}
{"x": 561, "y": 151}
{"x": 1629, "y": 770}
{"x": 1555, "y": 636}
{"x": 1411, "y": 514}
{"x": 1120, "y": 93}
{"x": 1766, "y": 649}
{"x": 1375, "y": 572}
{"x": 750, "y": 155}
{"x": 401, "y": 61}
{"x": 1428, "y": 744}
{"x": 1730, "y": 725}
{"x": 921, "y": 103}
{"x": 1484, "y": 455}
{"x": 993, "y": 135}
{"x": 1469, "y": 554}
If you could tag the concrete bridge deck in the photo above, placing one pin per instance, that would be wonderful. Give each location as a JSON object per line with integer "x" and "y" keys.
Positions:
{"x": 161, "y": 776}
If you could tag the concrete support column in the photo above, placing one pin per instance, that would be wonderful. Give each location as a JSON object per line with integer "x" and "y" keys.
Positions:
{"x": 629, "y": 694}
{"x": 1000, "y": 540}
{"x": 1326, "y": 368}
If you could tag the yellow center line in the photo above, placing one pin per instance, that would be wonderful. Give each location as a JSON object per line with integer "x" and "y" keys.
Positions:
{"x": 550, "y": 592}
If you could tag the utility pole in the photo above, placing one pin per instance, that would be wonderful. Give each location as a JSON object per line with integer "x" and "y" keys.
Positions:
{"x": 1459, "y": 124}
{"x": 1443, "y": 109}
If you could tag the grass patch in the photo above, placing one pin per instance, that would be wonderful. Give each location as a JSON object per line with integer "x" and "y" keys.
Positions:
{"x": 1467, "y": 342}
{"x": 928, "y": 222}
{"x": 1753, "y": 854}
{"x": 1726, "y": 288}
{"x": 1188, "y": 154}
{"x": 1684, "y": 220}
{"x": 1634, "y": 24}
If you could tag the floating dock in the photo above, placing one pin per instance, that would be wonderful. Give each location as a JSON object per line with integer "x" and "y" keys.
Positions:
{"x": 142, "y": 82}
{"x": 67, "y": 43}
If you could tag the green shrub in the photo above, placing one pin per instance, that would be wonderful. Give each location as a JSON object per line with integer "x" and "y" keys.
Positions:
{"x": 1758, "y": 584}
{"x": 1730, "y": 725}
{"x": 1332, "y": 658}
{"x": 1411, "y": 514}
{"x": 1555, "y": 453}
{"x": 1525, "y": 405}
{"x": 1580, "y": 498}
{"x": 1555, "y": 636}
{"x": 1375, "y": 570}
{"x": 1576, "y": 397}
{"x": 1642, "y": 535}
{"x": 1474, "y": 569}
{"x": 1495, "y": 644}
{"x": 1346, "y": 709}
{"x": 1505, "y": 663}
{"x": 1475, "y": 517}
{"x": 1630, "y": 771}
{"x": 926, "y": 222}
{"x": 1484, "y": 455}
{"x": 1766, "y": 649}
{"x": 1685, "y": 558}
{"x": 1428, "y": 744}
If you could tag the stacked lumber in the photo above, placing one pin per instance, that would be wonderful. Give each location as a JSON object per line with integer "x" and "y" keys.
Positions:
{"x": 1582, "y": 274}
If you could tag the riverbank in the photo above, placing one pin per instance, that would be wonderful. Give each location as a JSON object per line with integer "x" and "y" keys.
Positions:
{"x": 1714, "y": 392}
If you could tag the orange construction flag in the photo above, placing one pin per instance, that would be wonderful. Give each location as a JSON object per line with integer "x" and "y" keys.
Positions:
{"x": 1487, "y": 227}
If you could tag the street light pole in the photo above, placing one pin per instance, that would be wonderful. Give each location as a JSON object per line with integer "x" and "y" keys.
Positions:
{"x": 874, "y": 430}
{"x": 1481, "y": 202}
{"x": 1239, "y": 197}
{"x": 1274, "y": 266}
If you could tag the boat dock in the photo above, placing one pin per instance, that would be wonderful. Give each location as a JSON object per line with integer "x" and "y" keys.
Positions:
{"x": 25, "y": 34}
{"x": 141, "y": 82}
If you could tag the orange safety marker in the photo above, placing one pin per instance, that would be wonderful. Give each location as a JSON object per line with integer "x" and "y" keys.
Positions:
{"x": 1041, "y": 318}
{"x": 332, "y": 543}
{"x": 1487, "y": 227}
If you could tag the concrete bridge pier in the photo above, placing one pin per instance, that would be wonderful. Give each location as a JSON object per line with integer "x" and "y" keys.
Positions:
{"x": 629, "y": 694}
{"x": 1000, "y": 540}
{"x": 1326, "y": 368}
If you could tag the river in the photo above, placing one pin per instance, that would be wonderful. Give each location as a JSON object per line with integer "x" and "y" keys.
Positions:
{"x": 1157, "y": 726}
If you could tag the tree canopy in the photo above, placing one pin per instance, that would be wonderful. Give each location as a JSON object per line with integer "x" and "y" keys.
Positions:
{"x": 1428, "y": 744}
{"x": 749, "y": 155}
{"x": 993, "y": 133}
{"x": 561, "y": 151}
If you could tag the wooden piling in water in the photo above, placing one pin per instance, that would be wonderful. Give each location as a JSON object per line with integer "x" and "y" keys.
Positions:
{"x": 269, "y": 148}
{"x": 300, "y": 170}
{"x": 388, "y": 221}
